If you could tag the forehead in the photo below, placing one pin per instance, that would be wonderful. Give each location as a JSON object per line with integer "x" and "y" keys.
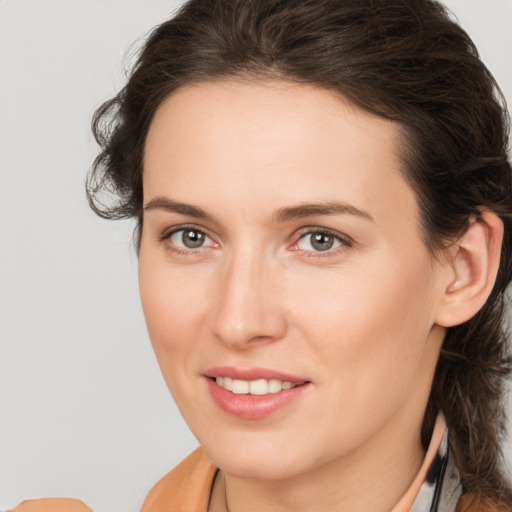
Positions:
{"x": 261, "y": 109}
{"x": 274, "y": 141}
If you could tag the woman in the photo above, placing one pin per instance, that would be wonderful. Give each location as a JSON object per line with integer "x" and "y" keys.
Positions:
{"x": 324, "y": 210}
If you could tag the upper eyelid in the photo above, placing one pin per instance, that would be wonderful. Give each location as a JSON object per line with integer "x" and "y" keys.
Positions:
{"x": 168, "y": 232}
{"x": 333, "y": 232}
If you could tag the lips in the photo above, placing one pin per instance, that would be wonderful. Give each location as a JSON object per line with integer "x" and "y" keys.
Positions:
{"x": 253, "y": 393}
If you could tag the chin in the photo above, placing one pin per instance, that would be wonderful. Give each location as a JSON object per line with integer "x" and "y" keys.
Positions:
{"x": 250, "y": 469}
{"x": 256, "y": 460}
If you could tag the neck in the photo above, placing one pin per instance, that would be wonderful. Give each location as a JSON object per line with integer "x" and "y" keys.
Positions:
{"x": 372, "y": 477}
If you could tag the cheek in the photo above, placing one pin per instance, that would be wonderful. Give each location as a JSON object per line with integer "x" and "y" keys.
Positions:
{"x": 369, "y": 323}
{"x": 173, "y": 304}
{"x": 174, "y": 312}
{"x": 368, "y": 333}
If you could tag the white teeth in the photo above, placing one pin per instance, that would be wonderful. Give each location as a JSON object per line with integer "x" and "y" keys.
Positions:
{"x": 228, "y": 383}
{"x": 253, "y": 387}
{"x": 258, "y": 387}
{"x": 274, "y": 386}
{"x": 240, "y": 387}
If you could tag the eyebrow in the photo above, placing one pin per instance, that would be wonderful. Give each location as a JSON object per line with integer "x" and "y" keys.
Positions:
{"x": 309, "y": 210}
{"x": 284, "y": 214}
{"x": 164, "y": 203}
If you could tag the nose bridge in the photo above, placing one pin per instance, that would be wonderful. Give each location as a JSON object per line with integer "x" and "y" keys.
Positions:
{"x": 248, "y": 301}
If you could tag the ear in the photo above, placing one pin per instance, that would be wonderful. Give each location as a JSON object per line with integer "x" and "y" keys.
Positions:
{"x": 473, "y": 262}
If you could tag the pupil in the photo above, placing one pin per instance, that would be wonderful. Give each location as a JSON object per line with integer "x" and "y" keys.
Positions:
{"x": 322, "y": 242}
{"x": 192, "y": 239}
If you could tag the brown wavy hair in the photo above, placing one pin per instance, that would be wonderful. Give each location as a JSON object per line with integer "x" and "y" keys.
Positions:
{"x": 404, "y": 60}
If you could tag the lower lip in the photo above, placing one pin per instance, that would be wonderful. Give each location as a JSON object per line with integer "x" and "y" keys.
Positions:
{"x": 253, "y": 407}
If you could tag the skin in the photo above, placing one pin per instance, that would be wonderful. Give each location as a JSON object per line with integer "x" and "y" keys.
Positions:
{"x": 359, "y": 321}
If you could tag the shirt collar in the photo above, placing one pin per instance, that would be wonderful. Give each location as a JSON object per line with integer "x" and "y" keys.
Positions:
{"x": 436, "y": 487}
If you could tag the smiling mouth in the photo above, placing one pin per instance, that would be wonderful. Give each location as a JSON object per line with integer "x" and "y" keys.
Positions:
{"x": 257, "y": 387}
{"x": 254, "y": 397}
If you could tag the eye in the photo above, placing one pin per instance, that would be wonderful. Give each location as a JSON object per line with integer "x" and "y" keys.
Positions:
{"x": 320, "y": 241}
{"x": 189, "y": 238}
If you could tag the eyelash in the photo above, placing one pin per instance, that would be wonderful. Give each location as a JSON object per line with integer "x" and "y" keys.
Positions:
{"x": 167, "y": 234}
{"x": 345, "y": 241}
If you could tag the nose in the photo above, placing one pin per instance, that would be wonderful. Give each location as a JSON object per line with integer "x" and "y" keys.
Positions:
{"x": 248, "y": 308}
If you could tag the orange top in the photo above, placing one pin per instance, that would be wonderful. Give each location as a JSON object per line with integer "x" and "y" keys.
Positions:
{"x": 187, "y": 487}
{"x": 52, "y": 505}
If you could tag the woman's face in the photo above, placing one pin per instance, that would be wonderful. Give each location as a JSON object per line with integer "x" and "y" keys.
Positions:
{"x": 281, "y": 244}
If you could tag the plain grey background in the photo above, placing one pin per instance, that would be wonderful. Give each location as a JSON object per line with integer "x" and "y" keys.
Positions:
{"x": 84, "y": 411}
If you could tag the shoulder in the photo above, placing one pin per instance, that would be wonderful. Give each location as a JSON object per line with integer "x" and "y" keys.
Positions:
{"x": 52, "y": 505}
{"x": 187, "y": 486}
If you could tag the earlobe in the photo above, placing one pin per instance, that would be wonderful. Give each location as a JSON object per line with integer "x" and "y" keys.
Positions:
{"x": 474, "y": 261}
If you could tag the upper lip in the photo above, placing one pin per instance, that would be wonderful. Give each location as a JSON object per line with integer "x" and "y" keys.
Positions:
{"x": 252, "y": 374}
